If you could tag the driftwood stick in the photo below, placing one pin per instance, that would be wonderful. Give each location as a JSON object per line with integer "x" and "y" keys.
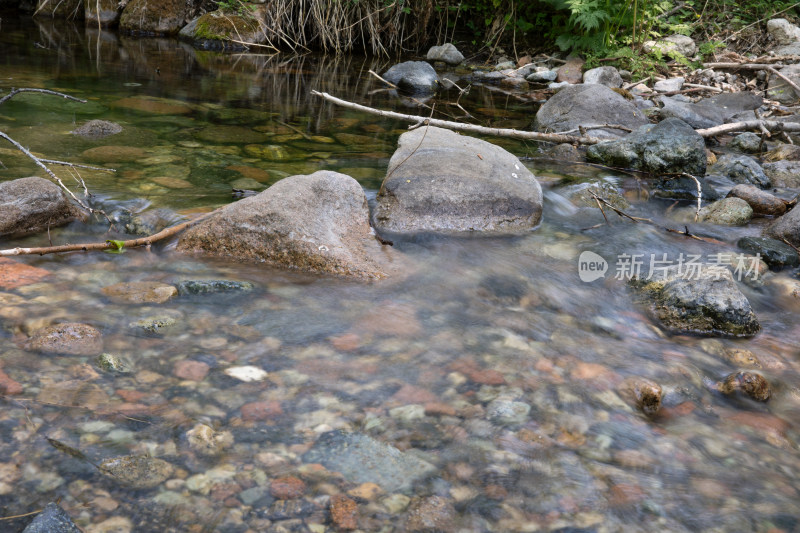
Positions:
{"x": 770, "y": 125}
{"x": 133, "y": 243}
{"x": 76, "y": 165}
{"x": 459, "y": 126}
{"x": 15, "y": 92}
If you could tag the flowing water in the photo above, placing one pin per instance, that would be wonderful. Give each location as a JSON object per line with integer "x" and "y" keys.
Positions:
{"x": 489, "y": 358}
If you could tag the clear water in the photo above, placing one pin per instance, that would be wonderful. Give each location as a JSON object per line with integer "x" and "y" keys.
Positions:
{"x": 421, "y": 362}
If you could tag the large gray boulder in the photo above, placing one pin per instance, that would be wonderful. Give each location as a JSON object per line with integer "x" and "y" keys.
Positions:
{"x": 706, "y": 301}
{"x": 608, "y": 76}
{"x": 447, "y": 53}
{"x": 588, "y": 105}
{"x": 787, "y": 227}
{"x": 669, "y": 147}
{"x": 440, "y": 181}
{"x": 783, "y": 173}
{"x": 315, "y": 223}
{"x": 740, "y": 169}
{"x": 782, "y": 31}
{"x": 414, "y": 77}
{"x": 30, "y": 205}
{"x": 709, "y": 112}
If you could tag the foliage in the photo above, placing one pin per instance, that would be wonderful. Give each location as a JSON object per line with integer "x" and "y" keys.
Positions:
{"x": 236, "y": 7}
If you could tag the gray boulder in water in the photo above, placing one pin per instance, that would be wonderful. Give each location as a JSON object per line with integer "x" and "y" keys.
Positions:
{"x": 440, "y": 181}
{"x": 705, "y": 301}
{"x": 97, "y": 129}
{"x": 414, "y": 77}
{"x": 30, "y": 205}
{"x": 740, "y": 169}
{"x": 52, "y": 519}
{"x": 669, "y": 147}
{"x": 314, "y": 223}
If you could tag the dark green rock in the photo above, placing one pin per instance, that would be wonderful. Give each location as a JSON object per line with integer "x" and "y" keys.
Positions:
{"x": 775, "y": 253}
{"x": 740, "y": 169}
{"x": 209, "y": 286}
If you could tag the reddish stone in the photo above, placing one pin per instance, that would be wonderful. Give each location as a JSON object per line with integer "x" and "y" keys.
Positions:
{"x": 347, "y": 342}
{"x": 439, "y": 409}
{"x": 191, "y": 370}
{"x": 8, "y": 386}
{"x": 411, "y": 394}
{"x": 477, "y": 374}
{"x": 14, "y": 274}
{"x": 496, "y": 492}
{"x": 626, "y": 494}
{"x": 761, "y": 422}
{"x": 222, "y": 491}
{"x": 131, "y": 395}
{"x": 524, "y": 60}
{"x": 287, "y": 488}
{"x": 571, "y": 71}
{"x": 344, "y": 512}
{"x": 133, "y": 409}
{"x": 261, "y": 410}
{"x": 391, "y": 319}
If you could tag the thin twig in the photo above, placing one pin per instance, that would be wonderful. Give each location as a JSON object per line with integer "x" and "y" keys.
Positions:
{"x": 15, "y": 92}
{"x": 76, "y": 165}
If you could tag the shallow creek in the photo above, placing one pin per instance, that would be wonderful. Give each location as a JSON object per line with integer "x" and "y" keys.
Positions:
{"x": 488, "y": 358}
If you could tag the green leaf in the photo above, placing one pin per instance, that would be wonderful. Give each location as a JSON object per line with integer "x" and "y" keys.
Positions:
{"x": 116, "y": 247}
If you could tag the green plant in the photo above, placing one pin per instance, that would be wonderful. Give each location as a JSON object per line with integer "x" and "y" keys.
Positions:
{"x": 236, "y": 7}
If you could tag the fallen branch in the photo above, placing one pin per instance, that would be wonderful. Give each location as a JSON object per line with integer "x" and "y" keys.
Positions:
{"x": 108, "y": 245}
{"x": 459, "y": 126}
{"x": 15, "y": 92}
{"x": 756, "y": 125}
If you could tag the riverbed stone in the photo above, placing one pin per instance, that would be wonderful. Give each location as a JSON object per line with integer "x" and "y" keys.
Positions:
{"x": 440, "y": 181}
{"x": 669, "y": 85}
{"x": 142, "y": 17}
{"x": 684, "y": 188}
{"x": 204, "y": 440}
{"x": 775, "y": 253}
{"x": 711, "y": 111}
{"x": 52, "y": 519}
{"x": 213, "y": 286}
{"x": 316, "y": 223}
{"x": 608, "y": 76}
{"x": 762, "y": 202}
{"x": 740, "y": 169}
{"x": 570, "y": 72}
{"x": 673, "y": 45}
{"x": 362, "y": 459}
{"x": 786, "y": 227}
{"x": 669, "y": 147}
{"x": 782, "y": 31}
{"x": 69, "y": 339}
{"x": 726, "y": 212}
{"x": 14, "y": 274}
{"x": 783, "y": 173}
{"x": 432, "y": 514}
{"x": 140, "y": 292}
{"x": 137, "y": 471}
{"x": 97, "y": 129}
{"x": 780, "y": 90}
{"x": 747, "y": 142}
{"x": 413, "y": 77}
{"x": 222, "y": 27}
{"x": 706, "y": 301}
{"x": 588, "y": 105}
{"x": 447, "y": 53}
{"x": 30, "y": 205}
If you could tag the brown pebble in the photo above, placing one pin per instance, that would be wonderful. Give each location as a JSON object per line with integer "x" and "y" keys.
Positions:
{"x": 752, "y": 384}
{"x": 430, "y": 514}
{"x": 344, "y": 512}
{"x": 439, "y": 409}
{"x": 287, "y": 488}
{"x": 222, "y": 491}
{"x": 366, "y": 491}
{"x": 346, "y": 342}
{"x": 261, "y": 410}
{"x": 8, "y": 386}
{"x": 496, "y": 492}
{"x": 190, "y": 370}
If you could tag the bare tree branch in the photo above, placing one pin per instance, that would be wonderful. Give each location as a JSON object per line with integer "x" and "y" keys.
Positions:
{"x": 15, "y": 92}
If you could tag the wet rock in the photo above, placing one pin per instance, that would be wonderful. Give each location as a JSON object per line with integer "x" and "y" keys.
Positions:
{"x": 783, "y": 173}
{"x": 608, "y": 76}
{"x": 143, "y": 17}
{"x": 74, "y": 393}
{"x": 742, "y": 358}
{"x": 316, "y": 223}
{"x": 289, "y": 509}
{"x": 683, "y": 188}
{"x": 155, "y": 324}
{"x": 727, "y": 212}
{"x": 152, "y": 105}
{"x": 52, "y": 519}
{"x": 542, "y": 76}
{"x": 643, "y": 393}
{"x": 69, "y": 339}
{"x": 97, "y": 129}
{"x": 246, "y": 373}
{"x": 148, "y": 222}
{"x": 762, "y": 202}
{"x": 344, "y": 512}
{"x": 588, "y": 105}
{"x": 14, "y": 274}
{"x": 570, "y": 72}
{"x": 213, "y": 286}
{"x": 674, "y": 45}
{"x": 447, "y": 53}
{"x": 707, "y": 302}
{"x": 190, "y": 370}
{"x": 740, "y": 169}
{"x": 783, "y": 152}
{"x": 31, "y": 205}
{"x": 430, "y": 187}
{"x": 113, "y": 363}
{"x": 433, "y": 514}
{"x": 669, "y": 85}
{"x": 361, "y": 459}
{"x": 786, "y": 227}
{"x": 140, "y": 292}
{"x": 748, "y": 383}
{"x": 113, "y": 154}
{"x": 137, "y": 471}
{"x": 747, "y": 142}
{"x": 216, "y": 29}
{"x": 287, "y": 488}
{"x": 782, "y": 31}
{"x": 671, "y": 146}
{"x": 507, "y": 413}
{"x": 413, "y": 77}
{"x": 776, "y": 254}
{"x": 205, "y": 441}
{"x": 261, "y": 410}
{"x": 778, "y": 89}
{"x": 8, "y": 386}
{"x": 711, "y": 111}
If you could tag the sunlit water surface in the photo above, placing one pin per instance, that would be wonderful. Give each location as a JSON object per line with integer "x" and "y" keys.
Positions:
{"x": 430, "y": 362}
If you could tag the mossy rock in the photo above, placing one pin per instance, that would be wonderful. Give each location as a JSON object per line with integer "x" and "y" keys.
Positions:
{"x": 219, "y": 26}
